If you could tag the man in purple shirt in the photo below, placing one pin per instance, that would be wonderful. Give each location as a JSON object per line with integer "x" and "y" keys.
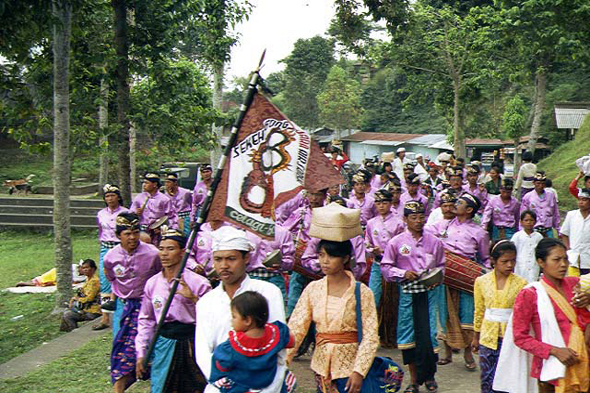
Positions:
{"x": 106, "y": 219}
{"x": 455, "y": 176}
{"x": 173, "y": 368}
{"x": 181, "y": 200}
{"x": 128, "y": 266}
{"x": 380, "y": 230}
{"x": 360, "y": 200}
{"x": 407, "y": 256}
{"x": 298, "y": 224}
{"x": 200, "y": 191}
{"x": 472, "y": 187}
{"x": 544, "y": 204}
{"x": 150, "y": 206}
{"x": 283, "y": 241}
{"x": 502, "y": 212}
{"x": 413, "y": 194}
{"x": 466, "y": 239}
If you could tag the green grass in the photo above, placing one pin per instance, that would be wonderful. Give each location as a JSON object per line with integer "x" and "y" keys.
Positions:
{"x": 24, "y": 256}
{"x": 83, "y": 370}
{"x": 561, "y": 168}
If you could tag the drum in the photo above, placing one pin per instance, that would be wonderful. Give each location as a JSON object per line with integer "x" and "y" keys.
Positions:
{"x": 300, "y": 247}
{"x": 461, "y": 272}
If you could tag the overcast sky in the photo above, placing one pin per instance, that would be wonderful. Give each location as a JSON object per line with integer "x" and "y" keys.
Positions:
{"x": 276, "y": 25}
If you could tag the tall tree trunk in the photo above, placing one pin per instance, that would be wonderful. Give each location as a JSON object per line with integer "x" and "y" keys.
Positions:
{"x": 458, "y": 135}
{"x": 217, "y": 100}
{"x": 540, "y": 94}
{"x": 132, "y": 162}
{"x": 103, "y": 123}
{"x": 122, "y": 75}
{"x": 62, "y": 12}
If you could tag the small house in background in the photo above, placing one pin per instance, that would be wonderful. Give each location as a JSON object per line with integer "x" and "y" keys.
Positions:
{"x": 362, "y": 145}
{"x": 324, "y": 135}
{"x": 569, "y": 116}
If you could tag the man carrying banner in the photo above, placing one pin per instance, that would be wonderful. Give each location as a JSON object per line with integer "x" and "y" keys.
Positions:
{"x": 173, "y": 366}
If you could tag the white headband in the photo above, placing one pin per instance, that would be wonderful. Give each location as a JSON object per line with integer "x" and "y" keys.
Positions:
{"x": 230, "y": 238}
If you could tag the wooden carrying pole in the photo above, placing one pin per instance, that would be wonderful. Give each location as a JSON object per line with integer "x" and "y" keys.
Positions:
{"x": 207, "y": 203}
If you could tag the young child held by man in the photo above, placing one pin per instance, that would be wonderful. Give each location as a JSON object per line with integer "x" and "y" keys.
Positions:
{"x": 247, "y": 361}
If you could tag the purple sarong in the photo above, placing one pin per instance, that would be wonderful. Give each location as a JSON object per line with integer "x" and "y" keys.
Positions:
{"x": 123, "y": 357}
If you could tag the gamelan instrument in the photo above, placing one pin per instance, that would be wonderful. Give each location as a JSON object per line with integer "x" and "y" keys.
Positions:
{"x": 273, "y": 258}
{"x": 461, "y": 272}
{"x": 430, "y": 277}
{"x": 158, "y": 223}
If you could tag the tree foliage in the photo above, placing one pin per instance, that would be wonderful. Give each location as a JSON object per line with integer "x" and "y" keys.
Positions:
{"x": 306, "y": 69}
{"x": 514, "y": 118}
{"x": 339, "y": 101}
{"x": 173, "y": 105}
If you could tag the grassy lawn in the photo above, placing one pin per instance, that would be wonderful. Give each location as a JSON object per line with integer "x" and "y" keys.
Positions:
{"x": 22, "y": 257}
{"x": 83, "y": 370}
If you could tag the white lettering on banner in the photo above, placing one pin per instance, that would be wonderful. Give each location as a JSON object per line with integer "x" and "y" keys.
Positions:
{"x": 260, "y": 227}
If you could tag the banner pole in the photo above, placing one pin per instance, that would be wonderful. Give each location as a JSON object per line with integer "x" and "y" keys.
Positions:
{"x": 207, "y": 203}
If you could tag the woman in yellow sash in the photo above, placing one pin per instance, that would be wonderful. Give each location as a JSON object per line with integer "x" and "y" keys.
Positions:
{"x": 565, "y": 326}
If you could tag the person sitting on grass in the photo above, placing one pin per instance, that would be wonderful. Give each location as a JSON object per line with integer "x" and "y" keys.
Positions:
{"x": 85, "y": 306}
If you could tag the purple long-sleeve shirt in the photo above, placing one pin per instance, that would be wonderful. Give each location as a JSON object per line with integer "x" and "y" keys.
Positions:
{"x": 201, "y": 252}
{"x": 128, "y": 272}
{"x": 367, "y": 207}
{"x": 380, "y": 230}
{"x": 545, "y": 206}
{"x": 469, "y": 240}
{"x": 293, "y": 223}
{"x": 284, "y": 211}
{"x": 283, "y": 241}
{"x": 181, "y": 201}
{"x": 501, "y": 214}
{"x": 405, "y": 253}
{"x": 157, "y": 206}
{"x": 311, "y": 261}
{"x": 155, "y": 295}
{"x": 106, "y": 221}
{"x": 199, "y": 195}
{"x": 481, "y": 195}
{"x": 406, "y": 197}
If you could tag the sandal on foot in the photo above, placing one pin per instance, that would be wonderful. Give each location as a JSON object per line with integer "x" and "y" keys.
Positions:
{"x": 431, "y": 386}
{"x": 444, "y": 361}
{"x": 412, "y": 388}
{"x": 470, "y": 365}
{"x": 100, "y": 326}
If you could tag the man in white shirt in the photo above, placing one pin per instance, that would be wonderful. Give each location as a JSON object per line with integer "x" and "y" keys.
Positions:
{"x": 575, "y": 233}
{"x": 231, "y": 255}
{"x": 399, "y": 161}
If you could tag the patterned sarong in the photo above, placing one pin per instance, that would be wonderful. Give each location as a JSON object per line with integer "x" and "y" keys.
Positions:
{"x": 123, "y": 357}
{"x": 488, "y": 360}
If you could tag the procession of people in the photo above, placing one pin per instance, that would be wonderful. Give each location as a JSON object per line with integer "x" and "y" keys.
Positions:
{"x": 432, "y": 257}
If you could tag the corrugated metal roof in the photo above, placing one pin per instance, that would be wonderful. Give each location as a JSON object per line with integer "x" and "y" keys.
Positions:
{"x": 483, "y": 142}
{"x": 570, "y": 117}
{"x": 442, "y": 145}
{"x": 428, "y": 139}
{"x": 381, "y": 143}
{"x": 380, "y": 136}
